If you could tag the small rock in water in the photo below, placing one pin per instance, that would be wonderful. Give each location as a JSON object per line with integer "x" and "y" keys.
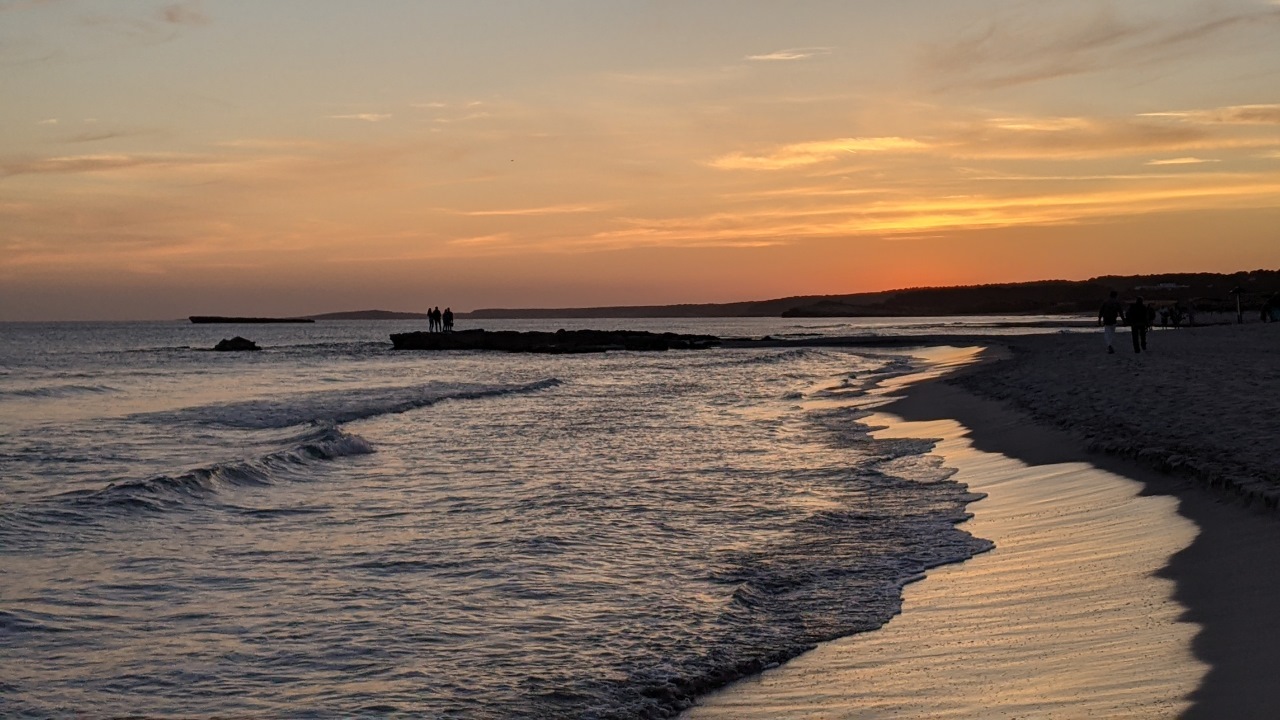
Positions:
{"x": 236, "y": 343}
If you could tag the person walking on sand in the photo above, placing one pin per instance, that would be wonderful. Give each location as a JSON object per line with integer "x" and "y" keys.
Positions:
{"x": 1108, "y": 314}
{"x": 1139, "y": 321}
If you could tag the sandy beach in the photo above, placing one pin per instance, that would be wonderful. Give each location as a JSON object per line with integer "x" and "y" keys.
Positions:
{"x": 1130, "y": 497}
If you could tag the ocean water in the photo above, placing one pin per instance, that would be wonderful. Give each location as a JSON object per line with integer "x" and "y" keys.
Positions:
{"x": 333, "y": 528}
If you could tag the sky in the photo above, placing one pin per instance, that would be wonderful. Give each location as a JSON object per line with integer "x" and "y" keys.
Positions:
{"x": 162, "y": 159}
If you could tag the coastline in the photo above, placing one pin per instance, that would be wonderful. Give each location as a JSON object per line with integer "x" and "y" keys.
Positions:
{"x": 1026, "y": 407}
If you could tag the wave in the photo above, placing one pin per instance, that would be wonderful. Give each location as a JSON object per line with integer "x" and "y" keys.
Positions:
{"x": 322, "y": 443}
{"x": 772, "y": 357}
{"x": 335, "y": 406}
{"x": 59, "y": 391}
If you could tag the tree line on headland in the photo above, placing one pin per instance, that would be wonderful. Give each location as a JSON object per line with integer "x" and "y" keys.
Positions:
{"x": 1209, "y": 292}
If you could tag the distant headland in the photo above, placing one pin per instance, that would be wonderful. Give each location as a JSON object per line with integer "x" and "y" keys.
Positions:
{"x": 352, "y": 315}
{"x": 1208, "y": 291}
{"x": 370, "y": 315}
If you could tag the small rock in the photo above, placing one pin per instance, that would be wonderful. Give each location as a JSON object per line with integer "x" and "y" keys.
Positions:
{"x": 236, "y": 344}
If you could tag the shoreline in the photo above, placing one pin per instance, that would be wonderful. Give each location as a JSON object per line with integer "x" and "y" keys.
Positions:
{"x": 1219, "y": 578}
{"x": 1216, "y": 579}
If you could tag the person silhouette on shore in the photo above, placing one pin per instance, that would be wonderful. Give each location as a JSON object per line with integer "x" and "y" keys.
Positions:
{"x": 1108, "y": 314}
{"x": 1139, "y": 321}
{"x": 448, "y": 320}
{"x": 435, "y": 319}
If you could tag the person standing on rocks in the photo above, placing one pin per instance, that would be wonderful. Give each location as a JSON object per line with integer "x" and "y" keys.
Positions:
{"x": 448, "y": 319}
{"x": 1108, "y": 314}
{"x": 1139, "y": 321}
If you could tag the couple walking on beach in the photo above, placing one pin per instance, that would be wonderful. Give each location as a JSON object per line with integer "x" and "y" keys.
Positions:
{"x": 1138, "y": 316}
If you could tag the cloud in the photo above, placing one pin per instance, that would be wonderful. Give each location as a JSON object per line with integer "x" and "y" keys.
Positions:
{"x": 1181, "y": 161}
{"x": 548, "y": 210}
{"x": 19, "y": 5}
{"x": 366, "y": 117}
{"x": 810, "y": 153}
{"x": 186, "y": 13}
{"x": 88, "y": 136}
{"x": 463, "y": 118}
{"x": 791, "y": 55}
{"x": 1231, "y": 115}
{"x": 84, "y": 163}
{"x": 49, "y": 121}
{"x": 1032, "y": 46}
{"x": 909, "y": 216}
{"x": 484, "y": 241}
{"x": 1084, "y": 138}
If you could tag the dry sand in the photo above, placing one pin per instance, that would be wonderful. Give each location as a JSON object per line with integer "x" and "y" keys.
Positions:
{"x": 1116, "y": 590}
{"x": 1201, "y": 402}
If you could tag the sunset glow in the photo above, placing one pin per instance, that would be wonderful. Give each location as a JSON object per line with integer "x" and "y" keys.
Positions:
{"x": 164, "y": 159}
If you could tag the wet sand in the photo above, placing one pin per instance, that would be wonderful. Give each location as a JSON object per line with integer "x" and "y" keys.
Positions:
{"x": 1122, "y": 585}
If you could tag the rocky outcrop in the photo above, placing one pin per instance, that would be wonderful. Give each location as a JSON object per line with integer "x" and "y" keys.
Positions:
{"x": 236, "y": 344}
{"x": 559, "y": 342}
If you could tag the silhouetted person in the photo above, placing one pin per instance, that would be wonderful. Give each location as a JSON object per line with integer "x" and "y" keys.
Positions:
{"x": 1108, "y": 314}
{"x": 1139, "y": 320}
{"x": 436, "y": 324}
{"x": 448, "y": 320}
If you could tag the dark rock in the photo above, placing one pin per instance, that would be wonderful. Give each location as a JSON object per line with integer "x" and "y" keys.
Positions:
{"x": 559, "y": 342}
{"x": 236, "y": 344}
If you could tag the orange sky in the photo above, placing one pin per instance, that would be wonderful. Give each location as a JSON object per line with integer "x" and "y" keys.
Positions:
{"x": 306, "y": 156}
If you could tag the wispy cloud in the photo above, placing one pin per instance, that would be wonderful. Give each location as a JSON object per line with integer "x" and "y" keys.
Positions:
{"x": 535, "y": 211}
{"x": 366, "y": 117}
{"x": 484, "y": 241}
{"x": 1085, "y": 138}
{"x": 1182, "y": 161}
{"x": 908, "y": 216}
{"x": 19, "y": 5}
{"x": 90, "y": 136}
{"x": 85, "y": 163}
{"x": 463, "y": 118}
{"x": 185, "y": 13}
{"x": 810, "y": 153}
{"x": 1028, "y": 46}
{"x": 1231, "y": 115}
{"x": 161, "y": 27}
{"x": 791, "y": 55}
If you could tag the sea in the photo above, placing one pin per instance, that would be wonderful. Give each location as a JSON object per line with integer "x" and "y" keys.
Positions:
{"x": 333, "y": 528}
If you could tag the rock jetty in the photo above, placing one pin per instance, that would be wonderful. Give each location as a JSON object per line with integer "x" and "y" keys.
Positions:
{"x": 558, "y": 342}
{"x": 209, "y": 319}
